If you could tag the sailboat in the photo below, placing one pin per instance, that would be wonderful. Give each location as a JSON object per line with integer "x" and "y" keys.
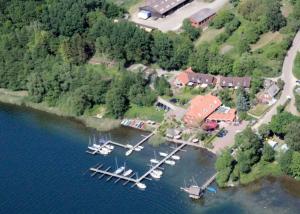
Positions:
{"x": 163, "y": 154}
{"x": 119, "y": 170}
{"x": 170, "y": 162}
{"x": 175, "y": 157}
{"x": 154, "y": 160}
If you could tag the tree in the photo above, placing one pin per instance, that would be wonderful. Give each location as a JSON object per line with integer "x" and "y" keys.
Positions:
{"x": 264, "y": 131}
{"x": 249, "y": 149}
{"x": 116, "y": 102}
{"x": 268, "y": 153}
{"x": 275, "y": 19}
{"x": 292, "y": 138}
{"x": 242, "y": 100}
{"x": 285, "y": 161}
{"x": 280, "y": 122}
{"x": 295, "y": 165}
{"x": 192, "y": 32}
{"x": 245, "y": 65}
{"x": 200, "y": 58}
{"x": 222, "y": 18}
{"x": 225, "y": 96}
{"x": 36, "y": 87}
{"x": 162, "y": 50}
{"x": 162, "y": 86}
{"x": 224, "y": 161}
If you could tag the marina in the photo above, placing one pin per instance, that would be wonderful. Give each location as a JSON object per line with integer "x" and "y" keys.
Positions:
{"x": 106, "y": 147}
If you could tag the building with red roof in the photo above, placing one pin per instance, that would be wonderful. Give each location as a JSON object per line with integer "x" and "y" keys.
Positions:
{"x": 201, "y": 108}
{"x": 190, "y": 78}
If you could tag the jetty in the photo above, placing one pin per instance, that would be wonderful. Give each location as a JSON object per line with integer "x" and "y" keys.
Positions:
{"x": 130, "y": 148}
{"x": 127, "y": 179}
{"x": 196, "y": 191}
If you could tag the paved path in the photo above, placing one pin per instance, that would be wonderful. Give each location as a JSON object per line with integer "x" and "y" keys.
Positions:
{"x": 174, "y": 21}
{"x": 290, "y": 83}
{"x": 228, "y": 140}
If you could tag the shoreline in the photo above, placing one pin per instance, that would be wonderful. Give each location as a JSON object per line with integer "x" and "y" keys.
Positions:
{"x": 20, "y": 98}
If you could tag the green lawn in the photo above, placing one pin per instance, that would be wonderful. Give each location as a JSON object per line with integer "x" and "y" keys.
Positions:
{"x": 209, "y": 35}
{"x": 259, "y": 110}
{"x": 126, "y": 3}
{"x": 261, "y": 169}
{"x": 145, "y": 113}
{"x": 296, "y": 68}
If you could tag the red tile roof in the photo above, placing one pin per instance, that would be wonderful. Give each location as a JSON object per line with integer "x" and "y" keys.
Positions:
{"x": 201, "y": 107}
{"x": 228, "y": 116}
{"x": 189, "y": 75}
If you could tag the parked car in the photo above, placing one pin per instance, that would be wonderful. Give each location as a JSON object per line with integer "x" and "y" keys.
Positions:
{"x": 222, "y": 133}
{"x": 298, "y": 82}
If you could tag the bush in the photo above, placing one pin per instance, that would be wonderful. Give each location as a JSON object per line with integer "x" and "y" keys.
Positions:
{"x": 221, "y": 19}
{"x": 268, "y": 153}
{"x": 223, "y": 177}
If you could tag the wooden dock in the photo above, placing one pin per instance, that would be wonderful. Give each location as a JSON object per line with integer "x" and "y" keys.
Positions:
{"x": 209, "y": 181}
{"x": 142, "y": 141}
{"x": 161, "y": 162}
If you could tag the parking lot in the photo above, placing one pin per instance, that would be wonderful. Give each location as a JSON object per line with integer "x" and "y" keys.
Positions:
{"x": 174, "y": 21}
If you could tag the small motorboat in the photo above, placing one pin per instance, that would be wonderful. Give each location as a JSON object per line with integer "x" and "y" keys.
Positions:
{"x": 137, "y": 149}
{"x": 128, "y": 152}
{"x": 170, "y": 162}
{"x": 129, "y": 146}
{"x": 175, "y": 157}
{"x": 163, "y": 154}
{"x": 127, "y": 172}
{"x": 111, "y": 147}
{"x": 141, "y": 185}
{"x": 154, "y": 161}
{"x": 103, "y": 151}
{"x": 211, "y": 189}
{"x": 158, "y": 172}
{"x": 140, "y": 147}
{"x": 154, "y": 175}
{"x": 119, "y": 170}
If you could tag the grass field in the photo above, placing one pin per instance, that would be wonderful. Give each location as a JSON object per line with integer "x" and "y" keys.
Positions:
{"x": 209, "y": 35}
{"x": 259, "y": 110}
{"x": 126, "y": 3}
{"x": 261, "y": 169}
{"x": 266, "y": 38}
{"x": 296, "y": 68}
{"x": 145, "y": 113}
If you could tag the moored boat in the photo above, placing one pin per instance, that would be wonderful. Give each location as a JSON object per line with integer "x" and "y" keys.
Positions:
{"x": 127, "y": 172}
{"x": 163, "y": 154}
{"x": 175, "y": 157}
{"x": 141, "y": 185}
{"x": 154, "y": 161}
{"x": 170, "y": 162}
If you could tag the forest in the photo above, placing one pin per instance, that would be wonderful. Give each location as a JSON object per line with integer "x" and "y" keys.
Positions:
{"x": 45, "y": 47}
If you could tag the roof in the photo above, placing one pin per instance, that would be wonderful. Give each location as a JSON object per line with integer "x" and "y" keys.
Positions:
{"x": 202, "y": 14}
{"x": 189, "y": 75}
{"x": 273, "y": 90}
{"x": 235, "y": 82}
{"x": 201, "y": 107}
{"x": 194, "y": 190}
{"x": 272, "y": 143}
{"x": 228, "y": 116}
{"x": 209, "y": 125}
{"x": 163, "y": 6}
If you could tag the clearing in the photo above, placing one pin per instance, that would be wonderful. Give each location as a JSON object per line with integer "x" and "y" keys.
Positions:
{"x": 209, "y": 35}
{"x": 266, "y": 38}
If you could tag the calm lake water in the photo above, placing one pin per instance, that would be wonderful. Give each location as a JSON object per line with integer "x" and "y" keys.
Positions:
{"x": 43, "y": 169}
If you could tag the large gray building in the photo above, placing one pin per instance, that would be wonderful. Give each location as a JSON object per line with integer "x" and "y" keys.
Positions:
{"x": 161, "y": 8}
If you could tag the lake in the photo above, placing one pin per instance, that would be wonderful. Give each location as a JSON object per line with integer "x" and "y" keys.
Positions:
{"x": 44, "y": 169}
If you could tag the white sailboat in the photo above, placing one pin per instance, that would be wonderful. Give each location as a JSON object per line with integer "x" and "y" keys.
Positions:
{"x": 170, "y": 162}
{"x": 111, "y": 147}
{"x": 159, "y": 172}
{"x": 128, "y": 152}
{"x": 175, "y": 157}
{"x": 127, "y": 172}
{"x": 163, "y": 154}
{"x": 154, "y": 175}
{"x": 154, "y": 161}
{"x": 141, "y": 186}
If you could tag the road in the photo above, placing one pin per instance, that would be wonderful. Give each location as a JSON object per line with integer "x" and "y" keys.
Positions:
{"x": 290, "y": 83}
{"x": 174, "y": 21}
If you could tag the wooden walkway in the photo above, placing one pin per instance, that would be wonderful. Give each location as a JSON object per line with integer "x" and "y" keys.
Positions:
{"x": 142, "y": 141}
{"x": 197, "y": 145}
{"x": 161, "y": 162}
{"x": 209, "y": 181}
